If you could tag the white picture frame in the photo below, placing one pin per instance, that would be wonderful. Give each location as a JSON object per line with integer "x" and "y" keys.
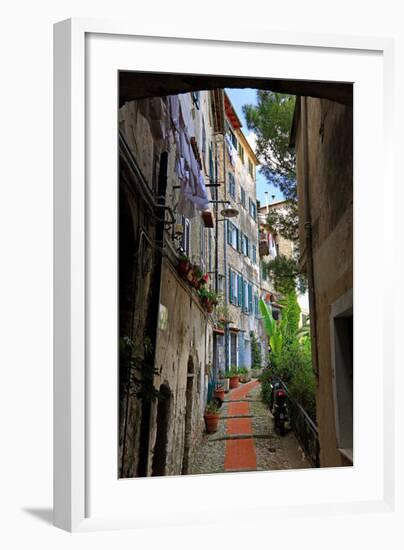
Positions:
{"x": 81, "y": 502}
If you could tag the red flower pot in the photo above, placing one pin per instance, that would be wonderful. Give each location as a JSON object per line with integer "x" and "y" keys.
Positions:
{"x": 211, "y": 422}
{"x": 219, "y": 393}
{"x": 234, "y": 382}
{"x": 183, "y": 268}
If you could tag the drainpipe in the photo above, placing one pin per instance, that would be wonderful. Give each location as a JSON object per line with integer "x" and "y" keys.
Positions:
{"x": 308, "y": 236}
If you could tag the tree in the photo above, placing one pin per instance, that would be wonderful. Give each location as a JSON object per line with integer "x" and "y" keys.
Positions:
{"x": 271, "y": 121}
{"x": 286, "y": 275}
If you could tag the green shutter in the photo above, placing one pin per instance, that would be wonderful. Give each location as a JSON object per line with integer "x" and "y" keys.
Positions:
{"x": 211, "y": 172}
{"x": 230, "y": 286}
{"x": 250, "y": 299}
{"x": 240, "y": 290}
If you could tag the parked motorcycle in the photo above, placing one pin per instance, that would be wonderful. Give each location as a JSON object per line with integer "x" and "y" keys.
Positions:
{"x": 280, "y": 410}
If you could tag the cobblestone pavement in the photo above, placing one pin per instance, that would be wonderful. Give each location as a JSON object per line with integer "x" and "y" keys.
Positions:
{"x": 249, "y": 443}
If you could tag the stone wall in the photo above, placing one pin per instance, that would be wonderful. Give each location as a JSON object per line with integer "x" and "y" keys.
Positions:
{"x": 183, "y": 358}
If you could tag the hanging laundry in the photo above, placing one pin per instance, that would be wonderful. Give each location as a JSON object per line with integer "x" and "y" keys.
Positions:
{"x": 174, "y": 105}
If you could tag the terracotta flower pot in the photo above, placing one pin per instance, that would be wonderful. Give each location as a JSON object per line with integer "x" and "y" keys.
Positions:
{"x": 183, "y": 268}
{"x": 219, "y": 393}
{"x": 211, "y": 422}
{"x": 234, "y": 382}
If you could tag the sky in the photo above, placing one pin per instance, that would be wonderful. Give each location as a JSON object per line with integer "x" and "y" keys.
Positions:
{"x": 240, "y": 97}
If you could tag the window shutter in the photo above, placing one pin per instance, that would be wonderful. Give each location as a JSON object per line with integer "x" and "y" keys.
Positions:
{"x": 229, "y": 224}
{"x": 211, "y": 169}
{"x": 250, "y": 300}
{"x": 230, "y": 286}
{"x": 240, "y": 290}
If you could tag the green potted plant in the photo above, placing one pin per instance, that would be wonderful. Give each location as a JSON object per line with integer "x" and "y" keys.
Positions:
{"x": 211, "y": 417}
{"x": 197, "y": 274}
{"x": 233, "y": 377}
{"x": 208, "y": 298}
{"x": 245, "y": 375}
{"x": 219, "y": 391}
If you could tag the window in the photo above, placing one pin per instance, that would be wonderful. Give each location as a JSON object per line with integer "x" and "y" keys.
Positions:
{"x": 252, "y": 208}
{"x": 233, "y": 287}
{"x": 185, "y": 241}
{"x": 242, "y": 196}
{"x": 232, "y": 185}
{"x": 231, "y": 135}
{"x": 246, "y": 245}
{"x": 254, "y": 253}
{"x": 241, "y": 152}
{"x": 232, "y": 235}
{"x": 251, "y": 169}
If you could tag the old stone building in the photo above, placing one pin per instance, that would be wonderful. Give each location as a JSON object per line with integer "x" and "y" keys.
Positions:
{"x": 272, "y": 244}
{"x": 323, "y": 135}
{"x": 238, "y": 264}
{"x": 161, "y": 312}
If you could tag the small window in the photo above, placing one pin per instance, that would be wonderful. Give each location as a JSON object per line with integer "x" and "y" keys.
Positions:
{"x": 254, "y": 254}
{"x": 242, "y": 196}
{"x": 232, "y": 185}
{"x": 251, "y": 169}
{"x": 252, "y": 207}
{"x": 185, "y": 241}
{"x": 233, "y": 235}
{"x": 241, "y": 152}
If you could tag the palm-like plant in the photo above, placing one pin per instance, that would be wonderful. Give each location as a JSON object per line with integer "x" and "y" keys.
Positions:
{"x": 271, "y": 327}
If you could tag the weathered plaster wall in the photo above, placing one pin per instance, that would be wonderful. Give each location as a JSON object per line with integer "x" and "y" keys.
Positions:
{"x": 187, "y": 339}
{"x": 330, "y": 157}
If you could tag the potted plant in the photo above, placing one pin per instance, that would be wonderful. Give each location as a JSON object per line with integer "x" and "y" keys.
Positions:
{"x": 204, "y": 279}
{"x": 233, "y": 377}
{"x": 183, "y": 265}
{"x": 224, "y": 381}
{"x": 244, "y": 375}
{"x": 211, "y": 417}
{"x": 219, "y": 391}
{"x": 196, "y": 278}
{"x": 208, "y": 298}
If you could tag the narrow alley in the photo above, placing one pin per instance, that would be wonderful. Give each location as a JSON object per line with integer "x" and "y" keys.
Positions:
{"x": 246, "y": 439}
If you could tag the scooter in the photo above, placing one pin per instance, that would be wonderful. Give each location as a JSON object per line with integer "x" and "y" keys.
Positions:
{"x": 280, "y": 411}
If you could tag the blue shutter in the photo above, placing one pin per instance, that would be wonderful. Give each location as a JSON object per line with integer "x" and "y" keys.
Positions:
{"x": 211, "y": 169}
{"x": 240, "y": 290}
{"x": 230, "y": 286}
{"x": 250, "y": 300}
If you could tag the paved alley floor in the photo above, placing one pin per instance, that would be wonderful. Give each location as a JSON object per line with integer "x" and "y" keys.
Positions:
{"x": 246, "y": 440}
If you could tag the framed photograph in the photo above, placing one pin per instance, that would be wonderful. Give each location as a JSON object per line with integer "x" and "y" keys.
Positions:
{"x": 219, "y": 319}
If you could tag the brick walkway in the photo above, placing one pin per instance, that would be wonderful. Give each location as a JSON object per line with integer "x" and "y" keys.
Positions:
{"x": 240, "y": 452}
{"x": 245, "y": 439}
